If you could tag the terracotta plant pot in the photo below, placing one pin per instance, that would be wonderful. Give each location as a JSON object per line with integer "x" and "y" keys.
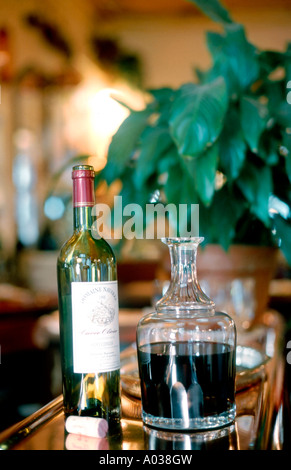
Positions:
{"x": 240, "y": 262}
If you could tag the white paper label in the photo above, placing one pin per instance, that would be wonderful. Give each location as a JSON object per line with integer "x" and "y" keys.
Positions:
{"x": 95, "y": 327}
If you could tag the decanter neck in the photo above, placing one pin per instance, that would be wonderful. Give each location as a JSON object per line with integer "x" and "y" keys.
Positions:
{"x": 184, "y": 293}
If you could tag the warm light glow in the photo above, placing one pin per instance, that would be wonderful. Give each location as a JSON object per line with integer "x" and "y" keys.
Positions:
{"x": 106, "y": 113}
{"x": 93, "y": 115}
{"x": 98, "y": 162}
{"x": 105, "y": 117}
{"x": 4, "y": 58}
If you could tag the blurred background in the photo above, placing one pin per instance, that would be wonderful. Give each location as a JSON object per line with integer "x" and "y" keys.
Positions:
{"x": 61, "y": 65}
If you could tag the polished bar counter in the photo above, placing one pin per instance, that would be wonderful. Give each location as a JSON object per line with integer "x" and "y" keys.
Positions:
{"x": 258, "y": 423}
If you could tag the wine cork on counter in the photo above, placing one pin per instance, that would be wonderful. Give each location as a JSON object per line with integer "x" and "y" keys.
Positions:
{"x": 87, "y": 426}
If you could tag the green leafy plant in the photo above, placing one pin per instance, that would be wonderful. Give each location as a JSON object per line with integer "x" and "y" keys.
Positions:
{"x": 222, "y": 141}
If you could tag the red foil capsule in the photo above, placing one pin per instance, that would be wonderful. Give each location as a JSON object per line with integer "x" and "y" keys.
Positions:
{"x": 83, "y": 186}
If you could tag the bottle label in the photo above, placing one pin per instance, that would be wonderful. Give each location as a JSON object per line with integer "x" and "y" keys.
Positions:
{"x": 95, "y": 327}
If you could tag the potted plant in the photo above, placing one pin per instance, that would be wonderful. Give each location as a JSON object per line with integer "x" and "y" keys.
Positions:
{"x": 222, "y": 141}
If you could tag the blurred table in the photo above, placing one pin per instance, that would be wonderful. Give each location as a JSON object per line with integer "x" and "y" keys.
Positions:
{"x": 22, "y": 360}
{"x": 258, "y": 424}
{"x": 20, "y": 310}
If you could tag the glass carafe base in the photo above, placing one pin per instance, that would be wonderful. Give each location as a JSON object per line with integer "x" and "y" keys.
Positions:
{"x": 178, "y": 424}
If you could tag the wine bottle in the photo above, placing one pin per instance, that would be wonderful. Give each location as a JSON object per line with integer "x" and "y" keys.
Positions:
{"x": 88, "y": 309}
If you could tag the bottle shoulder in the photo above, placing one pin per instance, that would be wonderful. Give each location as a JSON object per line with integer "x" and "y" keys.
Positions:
{"x": 82, "y": 243}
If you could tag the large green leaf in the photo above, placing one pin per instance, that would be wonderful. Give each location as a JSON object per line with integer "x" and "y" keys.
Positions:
{"x": 222, "y": 217}
{"x": 221, "y": 68}
{"x": 287, "y": 152}
{"x": 179, "y": 187}
{"x": 283, "y": 232}
{"x": 254, "y": 117}
{"x": 268, "y": 148}
{"x": 124, "y": 143}
{"x": 234, "y": 57}
{"x": 283, "y": 113}
{"x": 179, "y": 190}
{"x": 154, "y": 142}
{"x": 256, "y": 185}
{"x": 168, "y": 160}
{"x": 275, "y": 90}
{"x": 232, "y": 146}
{"x": 162, "y": 95}
{"x": 197, "y": 116}
{"x": 162, "y": 104}
{"x": 130, "y": 194}
{"x": 202, "y": 170}
{"x": 271, "y": 60}
{"x": 214, "y": 9}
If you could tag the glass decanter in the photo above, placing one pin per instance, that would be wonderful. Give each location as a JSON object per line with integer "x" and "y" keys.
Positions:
{"x": 186, "y": 352}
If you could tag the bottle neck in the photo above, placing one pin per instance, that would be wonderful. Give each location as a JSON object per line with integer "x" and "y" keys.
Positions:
{"x": 83, "y": 199}
{"x": 184, "y": 293}
{"x": 82, "y": 218}
{"x": 183, "y": 265}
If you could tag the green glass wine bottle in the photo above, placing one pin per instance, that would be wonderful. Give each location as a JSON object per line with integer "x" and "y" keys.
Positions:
{"x": 88, "y": 309}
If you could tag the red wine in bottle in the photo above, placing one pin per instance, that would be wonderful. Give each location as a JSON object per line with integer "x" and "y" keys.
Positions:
{"x": 88, "y": 309}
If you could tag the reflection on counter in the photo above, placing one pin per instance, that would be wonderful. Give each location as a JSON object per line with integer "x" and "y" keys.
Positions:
{"x": 220, "y": 439}
{"x": 79, "y": 442}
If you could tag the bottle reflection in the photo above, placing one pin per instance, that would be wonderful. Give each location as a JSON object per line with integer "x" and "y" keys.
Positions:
{"x": 219, "y": 439}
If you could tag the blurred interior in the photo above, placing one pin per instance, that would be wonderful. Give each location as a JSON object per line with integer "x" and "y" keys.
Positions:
{"x": 61, "y": 65}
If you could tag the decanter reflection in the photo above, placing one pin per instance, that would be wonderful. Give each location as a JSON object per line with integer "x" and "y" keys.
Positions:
{"x": 221, "y": 439}
{"x": 186, "y": 352}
